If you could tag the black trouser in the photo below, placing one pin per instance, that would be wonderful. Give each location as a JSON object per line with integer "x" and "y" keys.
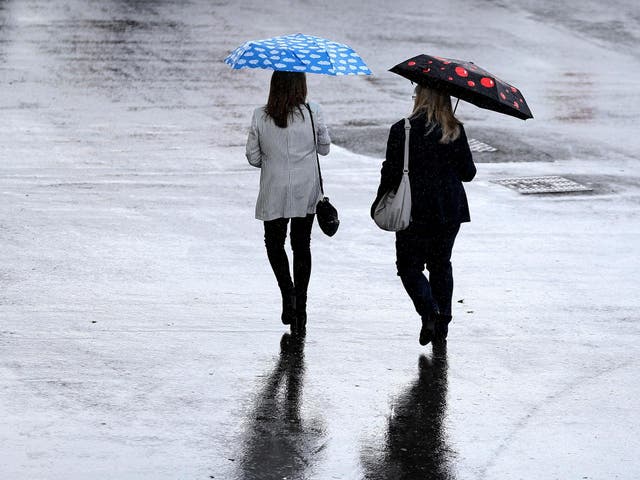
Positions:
{"x": 421, "y": 245}
{"x": 275, "y": 233}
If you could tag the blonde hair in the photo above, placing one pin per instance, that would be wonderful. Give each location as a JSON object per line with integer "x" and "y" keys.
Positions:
{"x": 437, "y": 107}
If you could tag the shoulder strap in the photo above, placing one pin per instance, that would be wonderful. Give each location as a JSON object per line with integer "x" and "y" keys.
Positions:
{"x": 315, "y": 146}
{"x": 407, "y": 131}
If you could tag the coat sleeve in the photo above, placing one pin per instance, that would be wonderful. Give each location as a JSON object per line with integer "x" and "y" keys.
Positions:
{"x": 391, "y": 172}
{"x": 322, "y": 132}
{"x": 253, "y": 152}
{"x": 461, "y": 158}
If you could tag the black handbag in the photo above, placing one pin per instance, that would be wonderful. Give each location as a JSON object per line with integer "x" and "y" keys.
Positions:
{"x": 326, "y": 213}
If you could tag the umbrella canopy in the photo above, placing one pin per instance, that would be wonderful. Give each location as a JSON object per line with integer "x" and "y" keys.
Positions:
{"x": 466, "y": 81}
{"x": 299, "y": 53}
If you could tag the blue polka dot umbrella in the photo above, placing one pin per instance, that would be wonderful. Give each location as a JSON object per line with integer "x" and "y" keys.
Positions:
{"x": 299, "y": 53}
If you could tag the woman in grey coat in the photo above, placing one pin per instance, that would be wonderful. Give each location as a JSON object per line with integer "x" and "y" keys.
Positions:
{"x": 281, "y": 143}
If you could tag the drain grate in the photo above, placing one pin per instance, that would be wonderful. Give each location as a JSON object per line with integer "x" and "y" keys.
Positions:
{"x": 478, "y": 146}
{"x": 546, "y": 184}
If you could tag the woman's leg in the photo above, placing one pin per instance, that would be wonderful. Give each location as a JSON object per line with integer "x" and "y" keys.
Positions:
{"x": 438, "y": 262}
{"x": 410, "y": 261}
{"x": 301, "y": 246}
{"x": 275, "y": 233}
{"x": 441, "y": 276}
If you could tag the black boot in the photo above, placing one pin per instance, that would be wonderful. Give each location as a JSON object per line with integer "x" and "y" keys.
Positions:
{"x": 428, "y": 328}
{"x": 301, "y": 312}
{"x": 288, "y": 308}
{"x": 441, "y": 327}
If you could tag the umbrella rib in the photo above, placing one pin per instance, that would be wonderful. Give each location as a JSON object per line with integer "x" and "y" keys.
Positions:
{"x": 321, "y": 48}
{"x": 299, "y": 59}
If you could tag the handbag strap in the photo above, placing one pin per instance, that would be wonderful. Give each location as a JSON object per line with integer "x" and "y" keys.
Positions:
{"x": 315, "y": 146}
{"x": 407, "y": 132}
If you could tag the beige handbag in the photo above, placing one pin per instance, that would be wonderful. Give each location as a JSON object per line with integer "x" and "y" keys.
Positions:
{"x": 393, "y": 211}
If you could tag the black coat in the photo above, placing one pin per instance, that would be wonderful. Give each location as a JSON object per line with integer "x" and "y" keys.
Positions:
{"x": 436, "y": 173}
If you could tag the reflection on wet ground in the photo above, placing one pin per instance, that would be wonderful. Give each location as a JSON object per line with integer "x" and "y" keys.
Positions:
{"x": 279, "y": 442}
{"x": 416, "y": 446}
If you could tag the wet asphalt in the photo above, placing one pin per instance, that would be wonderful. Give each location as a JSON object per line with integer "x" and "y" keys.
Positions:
{"x": 139, "y": 330}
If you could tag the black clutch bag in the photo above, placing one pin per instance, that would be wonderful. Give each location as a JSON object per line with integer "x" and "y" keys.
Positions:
{"x": 327, "y": 216}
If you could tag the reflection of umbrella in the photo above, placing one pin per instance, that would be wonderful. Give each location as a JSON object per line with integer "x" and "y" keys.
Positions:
{"x": 299, "y": 53}
{"x": 466, "y": 81}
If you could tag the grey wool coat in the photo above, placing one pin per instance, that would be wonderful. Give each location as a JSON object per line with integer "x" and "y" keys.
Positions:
{"x": 289, "y": 181}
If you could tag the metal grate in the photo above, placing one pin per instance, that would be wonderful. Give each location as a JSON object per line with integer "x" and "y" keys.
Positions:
{"x": 546, "y": 184}
{"x": 478, "y": 146}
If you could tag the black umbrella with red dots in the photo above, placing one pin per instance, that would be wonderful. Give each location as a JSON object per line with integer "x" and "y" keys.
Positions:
{"x": 466, "y": 81}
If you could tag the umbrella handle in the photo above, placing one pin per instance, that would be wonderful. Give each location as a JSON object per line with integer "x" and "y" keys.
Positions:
{"x": 454, "y": 108}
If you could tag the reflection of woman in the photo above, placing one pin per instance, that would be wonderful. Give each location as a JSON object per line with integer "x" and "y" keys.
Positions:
{"x": 281, "y": 144}
{"x": 439, "y": 161}
{"x": 279, "y": 443}
{"x": 416, "y": 445}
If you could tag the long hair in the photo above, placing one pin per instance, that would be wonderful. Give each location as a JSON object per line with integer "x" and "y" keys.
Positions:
{"x": 437, "y": 107}
{"x": 288, "y": 91}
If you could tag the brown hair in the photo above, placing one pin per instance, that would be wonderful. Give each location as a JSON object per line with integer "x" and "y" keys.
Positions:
{"x": 437, "y": 107}
{"x": 288, "y": 91}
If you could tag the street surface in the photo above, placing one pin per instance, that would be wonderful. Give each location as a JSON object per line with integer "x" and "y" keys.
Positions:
{"x": 139, "y": 319}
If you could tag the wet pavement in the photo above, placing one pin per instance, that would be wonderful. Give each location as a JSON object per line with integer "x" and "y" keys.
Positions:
{"x": 139, "y": 323}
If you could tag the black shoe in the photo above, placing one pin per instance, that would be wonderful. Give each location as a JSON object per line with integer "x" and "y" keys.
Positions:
{"x": 428, "y": 329}
{"x": 441, "y": 327}
{"x": 288, "y": 316}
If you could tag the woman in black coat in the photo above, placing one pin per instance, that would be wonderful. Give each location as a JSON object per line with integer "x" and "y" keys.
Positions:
{"x": 439, "y": 161}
